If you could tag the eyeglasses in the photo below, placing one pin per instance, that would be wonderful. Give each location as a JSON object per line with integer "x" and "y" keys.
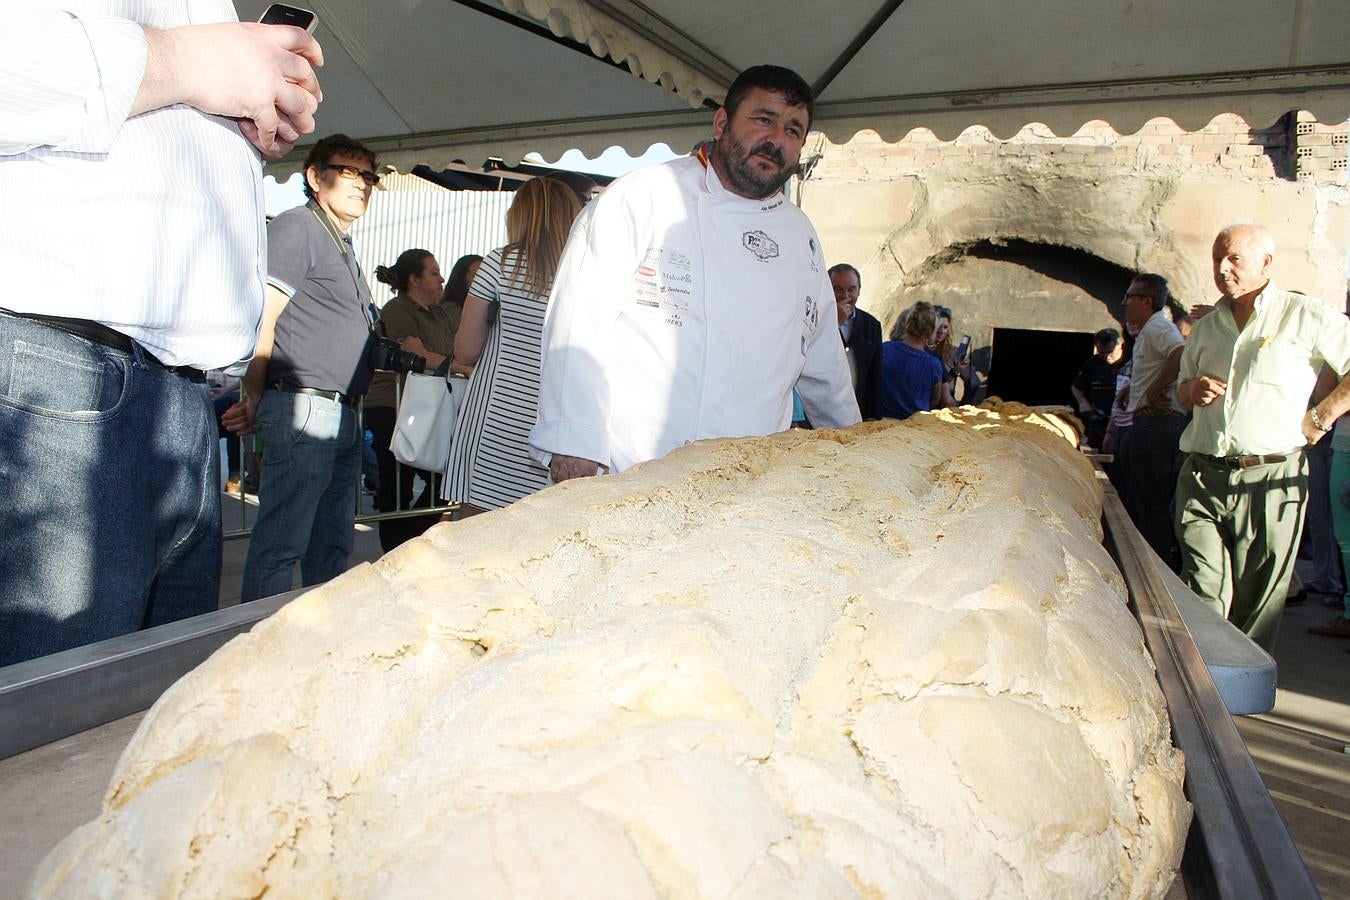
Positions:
{"x": 943, "y": 311}
{"x": 1138, "y": 296}
{"x": 351, "y": 173}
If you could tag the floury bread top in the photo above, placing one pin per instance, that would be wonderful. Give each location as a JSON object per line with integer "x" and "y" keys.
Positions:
{"x": 889, "y": 661}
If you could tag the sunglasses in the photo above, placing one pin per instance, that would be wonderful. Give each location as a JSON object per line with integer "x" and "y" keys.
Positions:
{"x": 351, "y": 173}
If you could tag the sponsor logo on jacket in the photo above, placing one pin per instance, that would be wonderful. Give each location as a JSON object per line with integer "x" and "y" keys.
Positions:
{"x": 757, "y": 242}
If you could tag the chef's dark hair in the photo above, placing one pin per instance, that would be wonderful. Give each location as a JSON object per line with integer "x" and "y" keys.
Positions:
{"x": 777, "y": 79}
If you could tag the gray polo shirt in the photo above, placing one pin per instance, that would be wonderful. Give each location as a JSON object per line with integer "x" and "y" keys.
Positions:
{"x": 322, "y": 334}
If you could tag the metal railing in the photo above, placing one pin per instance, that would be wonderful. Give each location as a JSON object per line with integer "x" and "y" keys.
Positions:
{"x": 250, "y": 455}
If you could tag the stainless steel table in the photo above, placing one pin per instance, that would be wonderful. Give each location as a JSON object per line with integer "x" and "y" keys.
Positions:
{"x": 53, "y": 713}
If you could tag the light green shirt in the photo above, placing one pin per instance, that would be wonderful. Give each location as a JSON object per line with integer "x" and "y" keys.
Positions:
{"x": 1270, "y": 368}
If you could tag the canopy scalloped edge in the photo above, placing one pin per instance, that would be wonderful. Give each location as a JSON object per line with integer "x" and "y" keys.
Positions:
{"x": 1192, "y": 104}
{"x": 607, "y": 37}
{"x": 1259, "y": 98}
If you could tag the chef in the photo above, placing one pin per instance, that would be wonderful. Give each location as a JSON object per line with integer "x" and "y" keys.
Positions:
{"x": 692, "y": 298}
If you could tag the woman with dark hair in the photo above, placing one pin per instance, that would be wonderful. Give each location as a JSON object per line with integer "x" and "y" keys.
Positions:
{"x": 457, "y": 288}
{"x": 911, "y": 376}
{"x": 498, "y": 346}
{"x": 417, "y": 320}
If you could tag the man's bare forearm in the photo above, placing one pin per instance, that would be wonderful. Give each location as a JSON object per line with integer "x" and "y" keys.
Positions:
{"x": 254, "y": 380}
{"x": 1335, "y": 404}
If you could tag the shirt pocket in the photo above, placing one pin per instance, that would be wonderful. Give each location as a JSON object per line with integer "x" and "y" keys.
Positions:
{"x": 1279, "y": 365}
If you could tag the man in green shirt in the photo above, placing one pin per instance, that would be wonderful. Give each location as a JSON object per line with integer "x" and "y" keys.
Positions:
{"x": 1247, "y": 373}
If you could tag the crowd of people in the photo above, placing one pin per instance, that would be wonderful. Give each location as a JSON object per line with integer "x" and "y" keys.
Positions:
{"x": 688, "y": 301}
{"x": 1218, "y": 424}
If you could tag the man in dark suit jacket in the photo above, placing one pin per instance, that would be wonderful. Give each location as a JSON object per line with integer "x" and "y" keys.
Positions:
{"x": 861, "y": 333}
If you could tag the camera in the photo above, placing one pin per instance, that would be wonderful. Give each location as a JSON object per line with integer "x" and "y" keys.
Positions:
{"x": 389, "y": 356}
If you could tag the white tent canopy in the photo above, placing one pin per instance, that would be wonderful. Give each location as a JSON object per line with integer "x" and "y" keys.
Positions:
{"x": 430, "y": 81}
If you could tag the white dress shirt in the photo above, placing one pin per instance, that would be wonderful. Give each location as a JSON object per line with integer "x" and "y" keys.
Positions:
{"x": 682, "y": 311}
{"x": 1156, "y": 341}
{"x": 153, "y": 225}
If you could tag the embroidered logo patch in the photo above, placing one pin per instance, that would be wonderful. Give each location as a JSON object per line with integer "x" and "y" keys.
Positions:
{"x": 760, "y": 244}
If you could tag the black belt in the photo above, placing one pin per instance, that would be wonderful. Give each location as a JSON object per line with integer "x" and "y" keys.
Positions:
{"x": 1247, "y": 462}
{"x": 1155, "y": 412}
{"x": 102, "y": 334}
{"x": 287, "y": 387}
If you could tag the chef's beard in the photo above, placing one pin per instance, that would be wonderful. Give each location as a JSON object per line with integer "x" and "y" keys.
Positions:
{"x": 745, "y": 179}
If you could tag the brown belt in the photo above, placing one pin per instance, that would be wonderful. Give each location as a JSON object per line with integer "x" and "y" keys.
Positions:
{"x": 1156, "y": 412}
{"x": 1247, "y": 462}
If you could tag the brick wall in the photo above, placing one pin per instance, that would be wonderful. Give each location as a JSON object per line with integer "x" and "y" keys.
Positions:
{"x": 1304, "y": 150}
{"x": 1320, "y": 151}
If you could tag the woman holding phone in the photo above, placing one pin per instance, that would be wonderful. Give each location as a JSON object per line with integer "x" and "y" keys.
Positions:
{"x": 955, "y": 362}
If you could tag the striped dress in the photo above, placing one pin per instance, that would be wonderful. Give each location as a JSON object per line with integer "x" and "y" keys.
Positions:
{"x": 490, "y": 465}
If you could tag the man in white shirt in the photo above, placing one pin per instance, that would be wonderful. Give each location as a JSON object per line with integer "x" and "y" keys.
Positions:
{"x": 1248, "y": 372}
{"x": 1157, "y": 417}
{"x": 131, "y": 255}
{"x": 692, "y": 298}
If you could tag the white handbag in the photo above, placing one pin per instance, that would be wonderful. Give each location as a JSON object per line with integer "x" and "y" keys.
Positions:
{"x": 426, "y": 420}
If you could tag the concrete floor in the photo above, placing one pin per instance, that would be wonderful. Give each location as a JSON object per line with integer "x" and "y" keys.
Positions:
{"x": 1302, "y": 748}
{"x": 238, "y": 513}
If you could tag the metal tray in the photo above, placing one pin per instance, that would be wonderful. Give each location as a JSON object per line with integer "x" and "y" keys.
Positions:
{"x": 1238, "y": 846}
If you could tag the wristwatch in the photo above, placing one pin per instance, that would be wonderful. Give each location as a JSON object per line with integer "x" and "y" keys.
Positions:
{"x": 1317, "y": 420}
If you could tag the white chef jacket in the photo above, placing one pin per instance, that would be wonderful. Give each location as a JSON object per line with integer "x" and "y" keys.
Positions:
{"x": 682, "y": 311}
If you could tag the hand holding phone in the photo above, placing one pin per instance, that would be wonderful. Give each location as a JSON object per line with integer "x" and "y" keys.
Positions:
{"x": 274, "y": 131}
{"x": 281, "y": 14}
{"x": 963, "y": 347}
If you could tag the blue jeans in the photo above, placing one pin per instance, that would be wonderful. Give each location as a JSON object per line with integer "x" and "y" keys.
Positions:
{"x": 109, "y": 476}
{"x": 307, "y": 498}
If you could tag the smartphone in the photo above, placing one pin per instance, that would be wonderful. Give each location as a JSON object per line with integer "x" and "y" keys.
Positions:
{"x": 962, "y": 347}
{"x": 281, "y": 14}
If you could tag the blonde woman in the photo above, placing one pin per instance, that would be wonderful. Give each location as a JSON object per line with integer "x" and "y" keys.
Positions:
{"x": 942, "y": 348}
{"x": 498, "y": 346}
{"x": 911, "y": 374}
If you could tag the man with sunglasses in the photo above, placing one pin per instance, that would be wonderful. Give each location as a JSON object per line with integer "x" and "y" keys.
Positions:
{"x": 130, "y": 136}
{"x": 1152, "y": 455}
{"x": 308, "y": 373}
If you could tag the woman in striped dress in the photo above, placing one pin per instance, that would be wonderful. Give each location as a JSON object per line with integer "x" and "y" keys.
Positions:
{"x": 498, "y": 345}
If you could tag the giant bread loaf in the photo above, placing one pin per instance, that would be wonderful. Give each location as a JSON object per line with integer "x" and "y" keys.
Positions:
{"x": 892, "y": 661}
